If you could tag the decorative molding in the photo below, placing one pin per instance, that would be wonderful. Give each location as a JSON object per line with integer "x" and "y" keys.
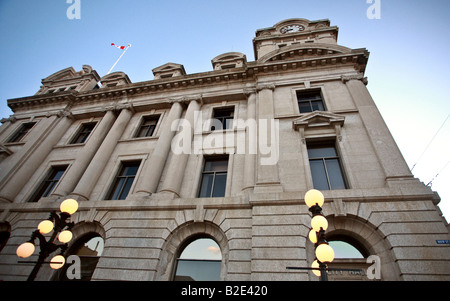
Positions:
{"x": 265, "y": 86}
{"x": 359, "y": 76}
{"x": 330, "y": 123}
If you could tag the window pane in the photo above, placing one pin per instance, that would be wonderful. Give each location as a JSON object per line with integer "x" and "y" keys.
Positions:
{"x": 219, "y": 185}
{"x": 200, "y": 261}
{"x": 218, "y": 165}
{"x": 317, "y": 105}
{"x": 202, "y": 248}
{"x": 335, "y": 174}
{"x": 344, "y": 250}
{"x": 130, "y": 170}
{"x": 318, "y": 174}
{"x": 304, "y": 107}
{"x": 126, "y": 188}
{"x": 59, "y": 174}
{"x": 322, "y": 152}
{"x": 207, "y": 182}
{"x": 117, "y": 188}
{"x": 198, "y": 270}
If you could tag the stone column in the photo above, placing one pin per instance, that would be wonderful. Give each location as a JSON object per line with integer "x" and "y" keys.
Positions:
{"x": 36, "y": 154}
{"x": 251, "y": 141}
{"x": 103, "y": 155}
{"x": 154, "y": 166}
{"x": 267, "y": 177}
{"x": 177, "y": 166}
{"x": 85, "y": 155}
{"x": 387, "y": 151}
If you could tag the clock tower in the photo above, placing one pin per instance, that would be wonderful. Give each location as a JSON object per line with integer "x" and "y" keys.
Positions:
{"x": 293, "y": 31}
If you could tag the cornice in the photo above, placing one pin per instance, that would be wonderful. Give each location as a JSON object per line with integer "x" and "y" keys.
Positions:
{"x": 291, "y": 61}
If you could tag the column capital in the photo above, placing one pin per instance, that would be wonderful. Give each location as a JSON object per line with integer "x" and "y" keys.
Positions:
{"x": 187, "y": 99}
{"x": 264, "y": 86}
{"x": 359, "y": 76}
{"x": 249, "y": 91}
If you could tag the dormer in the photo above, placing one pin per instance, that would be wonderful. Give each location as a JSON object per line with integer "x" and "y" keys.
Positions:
{"x": 70, "y": 80}
{"x": 229, "y": 60}
{"x": 168, "y": 70}
{"x": 115, "y": 79}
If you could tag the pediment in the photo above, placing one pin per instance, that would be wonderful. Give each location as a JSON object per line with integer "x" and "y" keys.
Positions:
{"x": 318, "y": 119}
{"x": 168, "y": 67}
{"x": 168, "y": 70}
{"x": 230, "y": 60}
{"x": 304, "y": 51}
{"x": 115, "y": 79}
{"x": 62, "y": 74}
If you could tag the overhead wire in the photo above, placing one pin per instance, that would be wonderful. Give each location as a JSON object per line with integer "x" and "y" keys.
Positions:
{"x": 431, "y": 141}
{"x": 434, "y": 178}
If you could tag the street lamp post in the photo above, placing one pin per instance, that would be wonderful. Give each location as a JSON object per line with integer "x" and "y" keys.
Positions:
{"x": 61, "y": 229}
{"x": 314, "y": 199}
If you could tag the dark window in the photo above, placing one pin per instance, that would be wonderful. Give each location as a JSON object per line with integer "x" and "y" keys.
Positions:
{"x": 214, "y": 178}
{"x": 231, "y": 66}
{"x": 124, "y": 180}
{"x": 325, "y": 167}
{"x": 83, "y": 133}
{"x": 148, "y": 126}
{"x": 22, "y": 131}
{"x": 222, "y": 119}
{"x": 47, "y": 186}
{"x": 309, "y": 101}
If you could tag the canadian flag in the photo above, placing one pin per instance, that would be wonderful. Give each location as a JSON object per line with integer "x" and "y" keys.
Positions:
{"x": 120, "y": 47}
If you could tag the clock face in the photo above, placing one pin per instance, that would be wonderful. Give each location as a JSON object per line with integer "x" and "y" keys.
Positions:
{"x": 292, "y": 28}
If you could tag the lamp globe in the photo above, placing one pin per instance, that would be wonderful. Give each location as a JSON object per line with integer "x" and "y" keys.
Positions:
{"x": 69, "y": 206}
{"x": 25, "y": 250}
{"x": 313, "y": 197}
{"x": 324, "y": 253}
{"x": 57, "y": 262}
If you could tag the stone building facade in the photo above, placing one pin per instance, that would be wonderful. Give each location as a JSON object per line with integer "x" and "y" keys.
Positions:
{"x": 226, "y": 154}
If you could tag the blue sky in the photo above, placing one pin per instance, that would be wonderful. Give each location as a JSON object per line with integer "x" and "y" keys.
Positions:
{"x": 406, "y": 70}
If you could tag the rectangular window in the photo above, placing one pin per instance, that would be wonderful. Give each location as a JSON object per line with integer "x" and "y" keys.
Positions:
{"x": 21, "y": 132}
{"x": 124, "y": 180}
{"x": 83, "y": 133}
{"x": 214, "y": 177}
{"x": 309, "y": 101}
{"x": 325, "y": 166}
{"x": 148, "y": 126}
{"x": 222, "y": 119}
{"x": 49, "y": 184}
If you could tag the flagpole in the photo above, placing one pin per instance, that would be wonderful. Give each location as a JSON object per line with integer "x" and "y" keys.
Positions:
{"x": 129, "y": 45}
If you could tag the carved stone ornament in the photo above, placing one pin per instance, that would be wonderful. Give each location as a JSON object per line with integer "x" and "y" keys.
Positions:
{"x": 325, "y": 122}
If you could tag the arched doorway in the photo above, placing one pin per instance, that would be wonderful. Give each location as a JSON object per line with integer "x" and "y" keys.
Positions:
{"x": 354, "y": 241}
{"x": 88, "y": 244}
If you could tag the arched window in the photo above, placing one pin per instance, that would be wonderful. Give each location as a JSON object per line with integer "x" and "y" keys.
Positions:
{"x": 343, "y": 249}
{"x": 89, "y": 248}
{"x": 200, "y": 260}
{"x": 345, "y": 246}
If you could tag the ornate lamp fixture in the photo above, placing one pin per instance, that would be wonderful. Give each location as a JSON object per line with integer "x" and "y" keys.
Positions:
{"x": 324, "y": 253}
{"x": 61, "y": 229}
